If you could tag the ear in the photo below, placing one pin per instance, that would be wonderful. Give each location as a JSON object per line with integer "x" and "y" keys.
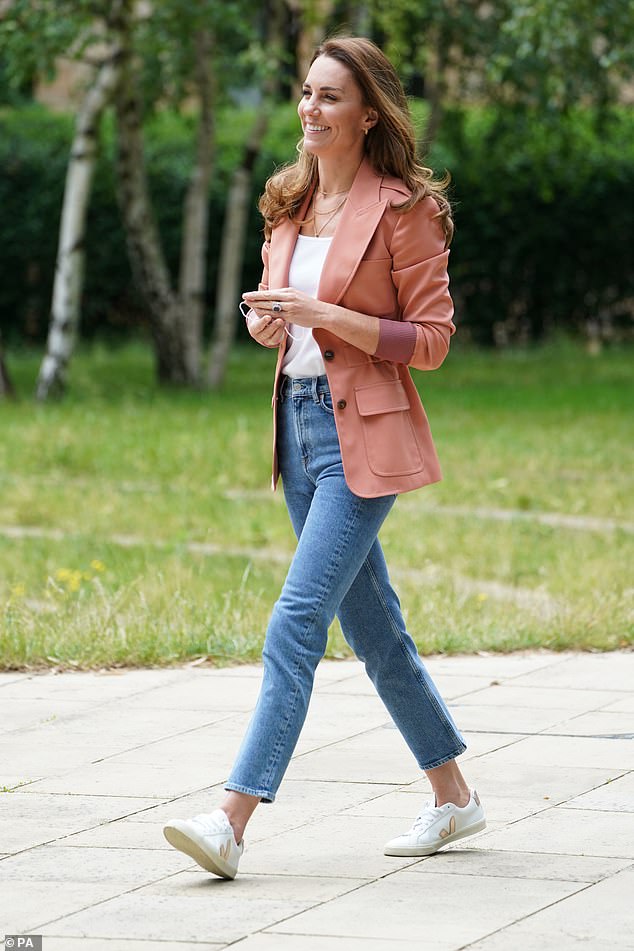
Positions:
{"x": 371, "y": 119}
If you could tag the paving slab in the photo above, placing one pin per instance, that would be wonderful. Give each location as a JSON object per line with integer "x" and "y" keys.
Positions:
{"x": 52, "y": 942}
{"x": 615, "y": 796}
{"x": 563, "y": 868}
{"x": 512, "y": 694}
{"x": 107, "y": 757}
{"x": 610, "y": 753}
{"x": 598, "y": 724}
{"x": 614, "y": 670}
{"x": 342, "y": 845}
{"x": 218, "y": 914}
{"x": 265, "y": 941}
{"x": 570, "y": 831}
{"x": 597, "y": 918}
{"x": 19, "y": 712}
{"x": 64, "y": 864}
{"x": 551, "y": 784}
{"x": 454, "y": 909}
{"x": 29, "y": 819}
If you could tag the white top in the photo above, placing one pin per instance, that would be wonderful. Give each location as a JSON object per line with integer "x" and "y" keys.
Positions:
{"x": 303, "y": 356}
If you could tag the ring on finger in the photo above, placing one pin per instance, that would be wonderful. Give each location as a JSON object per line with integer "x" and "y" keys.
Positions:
{"x": 277, "y": 307}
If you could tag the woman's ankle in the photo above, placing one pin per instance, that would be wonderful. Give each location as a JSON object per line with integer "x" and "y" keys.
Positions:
{"x": 449, "y": 785}
{"x": 458, "y": 797}
{"x": 238, "y": 808}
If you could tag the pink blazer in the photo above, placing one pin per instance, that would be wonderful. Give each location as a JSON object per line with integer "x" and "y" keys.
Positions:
{"x": 388, "y": 264}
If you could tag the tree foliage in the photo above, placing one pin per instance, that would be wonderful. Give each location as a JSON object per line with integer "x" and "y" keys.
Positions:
{"x": 532, "y": 63}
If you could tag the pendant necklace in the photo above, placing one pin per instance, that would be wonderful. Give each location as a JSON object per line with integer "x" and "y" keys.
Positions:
{"x": 317, "y": 230}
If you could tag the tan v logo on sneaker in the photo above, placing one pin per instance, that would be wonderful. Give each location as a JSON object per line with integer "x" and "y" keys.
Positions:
{"x": 450, "y": 831}
{"x": 224, "y": 850}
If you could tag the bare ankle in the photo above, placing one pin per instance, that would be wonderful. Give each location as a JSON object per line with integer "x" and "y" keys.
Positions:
{"x": 458, "y": 797}
{"x": 238, "y": 808}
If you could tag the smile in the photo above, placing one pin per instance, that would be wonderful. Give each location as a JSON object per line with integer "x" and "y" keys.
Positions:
{"x": 316, "y": 128}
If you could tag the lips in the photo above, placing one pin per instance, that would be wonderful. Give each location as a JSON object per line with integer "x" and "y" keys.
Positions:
{"x": 315, "y": 128}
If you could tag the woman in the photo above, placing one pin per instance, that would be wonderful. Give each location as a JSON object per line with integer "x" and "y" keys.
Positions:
{"x": 354, "y": 291}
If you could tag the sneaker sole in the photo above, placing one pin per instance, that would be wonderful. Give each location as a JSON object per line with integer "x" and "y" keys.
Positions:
{"x": 184, "y": 842}
{"x": 432, "y": 849}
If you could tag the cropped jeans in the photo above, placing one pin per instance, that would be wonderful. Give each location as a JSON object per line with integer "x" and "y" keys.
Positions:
{"x": 338, "y": 569}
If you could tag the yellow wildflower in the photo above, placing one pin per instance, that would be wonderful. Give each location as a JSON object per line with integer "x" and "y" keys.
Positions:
{"x": 74, "y": 581}
{"x": 97, "y": 565}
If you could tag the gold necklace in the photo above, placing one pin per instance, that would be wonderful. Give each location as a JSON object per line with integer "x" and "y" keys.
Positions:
{"x": 330, "y": 194}
{"x": 330, "y": 216}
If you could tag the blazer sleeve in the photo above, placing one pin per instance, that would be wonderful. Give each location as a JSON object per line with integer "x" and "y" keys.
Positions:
{"x": 264, "y": 284}
{"x": 264, "y": 281}
{"x": 419, "y": 272}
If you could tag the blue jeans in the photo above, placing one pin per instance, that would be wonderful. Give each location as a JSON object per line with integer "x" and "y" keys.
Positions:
{"x": 338, "y": 569}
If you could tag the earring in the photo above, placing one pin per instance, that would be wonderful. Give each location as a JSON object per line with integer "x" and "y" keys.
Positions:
{"x": 365, "y": 131}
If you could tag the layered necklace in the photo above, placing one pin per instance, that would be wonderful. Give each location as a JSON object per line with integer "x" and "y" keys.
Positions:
{"x": 330, "y": 213}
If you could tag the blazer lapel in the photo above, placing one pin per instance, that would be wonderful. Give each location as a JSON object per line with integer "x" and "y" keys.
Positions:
{"x": 359, "y": 220}
{"x": 361, "y": 215}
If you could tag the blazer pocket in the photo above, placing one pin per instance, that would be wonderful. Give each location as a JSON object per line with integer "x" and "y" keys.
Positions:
{"x": 391, "y": 446}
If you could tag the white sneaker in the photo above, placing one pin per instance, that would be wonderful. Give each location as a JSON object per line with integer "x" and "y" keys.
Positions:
{"x": 209, "y": 840}
{"x": 437, "y": 826}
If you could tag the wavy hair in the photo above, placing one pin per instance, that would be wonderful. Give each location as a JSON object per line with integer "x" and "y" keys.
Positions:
{"x": 390, "y": 145}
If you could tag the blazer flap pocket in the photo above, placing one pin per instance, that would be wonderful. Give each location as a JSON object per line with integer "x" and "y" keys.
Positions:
{"x": 388, "y": 397}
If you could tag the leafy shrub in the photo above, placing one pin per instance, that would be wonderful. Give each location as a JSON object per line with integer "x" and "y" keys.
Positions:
{"x": 544, "y": 218}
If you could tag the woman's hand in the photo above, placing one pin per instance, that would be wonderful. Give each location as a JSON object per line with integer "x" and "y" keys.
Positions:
{"x": 296, "y": 307}
{"x": 268, "y": 331}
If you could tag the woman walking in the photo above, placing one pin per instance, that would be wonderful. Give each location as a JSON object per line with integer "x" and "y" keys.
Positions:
{"x": 354, "y": 291}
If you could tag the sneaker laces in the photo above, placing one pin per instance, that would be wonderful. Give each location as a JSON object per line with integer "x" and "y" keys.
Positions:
{"x": 426, "y": 817}
{"x": 212, "y": 822}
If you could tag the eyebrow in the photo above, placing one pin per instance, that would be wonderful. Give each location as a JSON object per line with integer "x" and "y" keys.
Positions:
{"x": 338, "y": 88}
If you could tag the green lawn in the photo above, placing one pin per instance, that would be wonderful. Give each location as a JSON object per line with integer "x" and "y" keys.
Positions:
{"x": 136, "y": 526}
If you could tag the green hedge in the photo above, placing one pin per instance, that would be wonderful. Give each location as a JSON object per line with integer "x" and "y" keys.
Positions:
{"x": 545, "y": 224}
{"x": 545, "y": 218}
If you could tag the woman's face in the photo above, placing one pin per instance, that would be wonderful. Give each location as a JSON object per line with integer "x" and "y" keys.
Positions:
{"x": 332, "y": 111}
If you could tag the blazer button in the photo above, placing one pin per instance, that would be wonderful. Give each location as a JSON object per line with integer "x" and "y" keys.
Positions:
{"x": 341, "y": 404}
{"x": 329, "y": 355}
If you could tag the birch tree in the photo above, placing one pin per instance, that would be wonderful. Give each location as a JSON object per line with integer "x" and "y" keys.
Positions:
{"x": 34, "y": 37}
{"x": 140, "y": 54}
{"x": 199, "y": 44}
{"x": 237, "y": 205}
{"x": 69, "y": 270}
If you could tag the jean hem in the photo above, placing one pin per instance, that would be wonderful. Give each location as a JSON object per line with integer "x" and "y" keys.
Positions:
{"x": 445, "y": 759}
{"x": 264, "y": 794}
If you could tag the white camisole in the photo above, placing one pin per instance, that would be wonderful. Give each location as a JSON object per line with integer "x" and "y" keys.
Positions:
{"x": 303, "y": 356}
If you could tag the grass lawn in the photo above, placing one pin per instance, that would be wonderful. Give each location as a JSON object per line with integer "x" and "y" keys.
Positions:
{"x": 137, "y": 527}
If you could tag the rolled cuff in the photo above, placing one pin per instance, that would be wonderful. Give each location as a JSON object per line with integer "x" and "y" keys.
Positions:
{"x": 397, "y": 340}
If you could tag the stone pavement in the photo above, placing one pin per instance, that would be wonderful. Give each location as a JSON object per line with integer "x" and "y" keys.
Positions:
{"x": 97, "y": 761}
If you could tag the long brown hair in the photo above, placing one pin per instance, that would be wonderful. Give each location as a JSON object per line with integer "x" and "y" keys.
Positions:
{"x": 390, "y": 145}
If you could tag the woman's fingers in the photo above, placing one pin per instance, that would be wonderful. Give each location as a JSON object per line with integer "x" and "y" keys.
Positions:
{"x": 267, "y": 331}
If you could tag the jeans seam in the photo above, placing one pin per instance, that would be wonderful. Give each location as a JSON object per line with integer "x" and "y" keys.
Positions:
{"x": 439, "y": 711}
{"x": 302, "y": 640}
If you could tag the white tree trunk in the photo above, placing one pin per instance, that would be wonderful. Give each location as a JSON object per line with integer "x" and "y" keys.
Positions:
{"x": 313, "y": 16}
{"x": 193, "y": 266}
{"x": 229, "y": 274}
{"x": 145, "y": 250}
{"x": 237, "y": 214}
{"x": 69, "y": 272}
